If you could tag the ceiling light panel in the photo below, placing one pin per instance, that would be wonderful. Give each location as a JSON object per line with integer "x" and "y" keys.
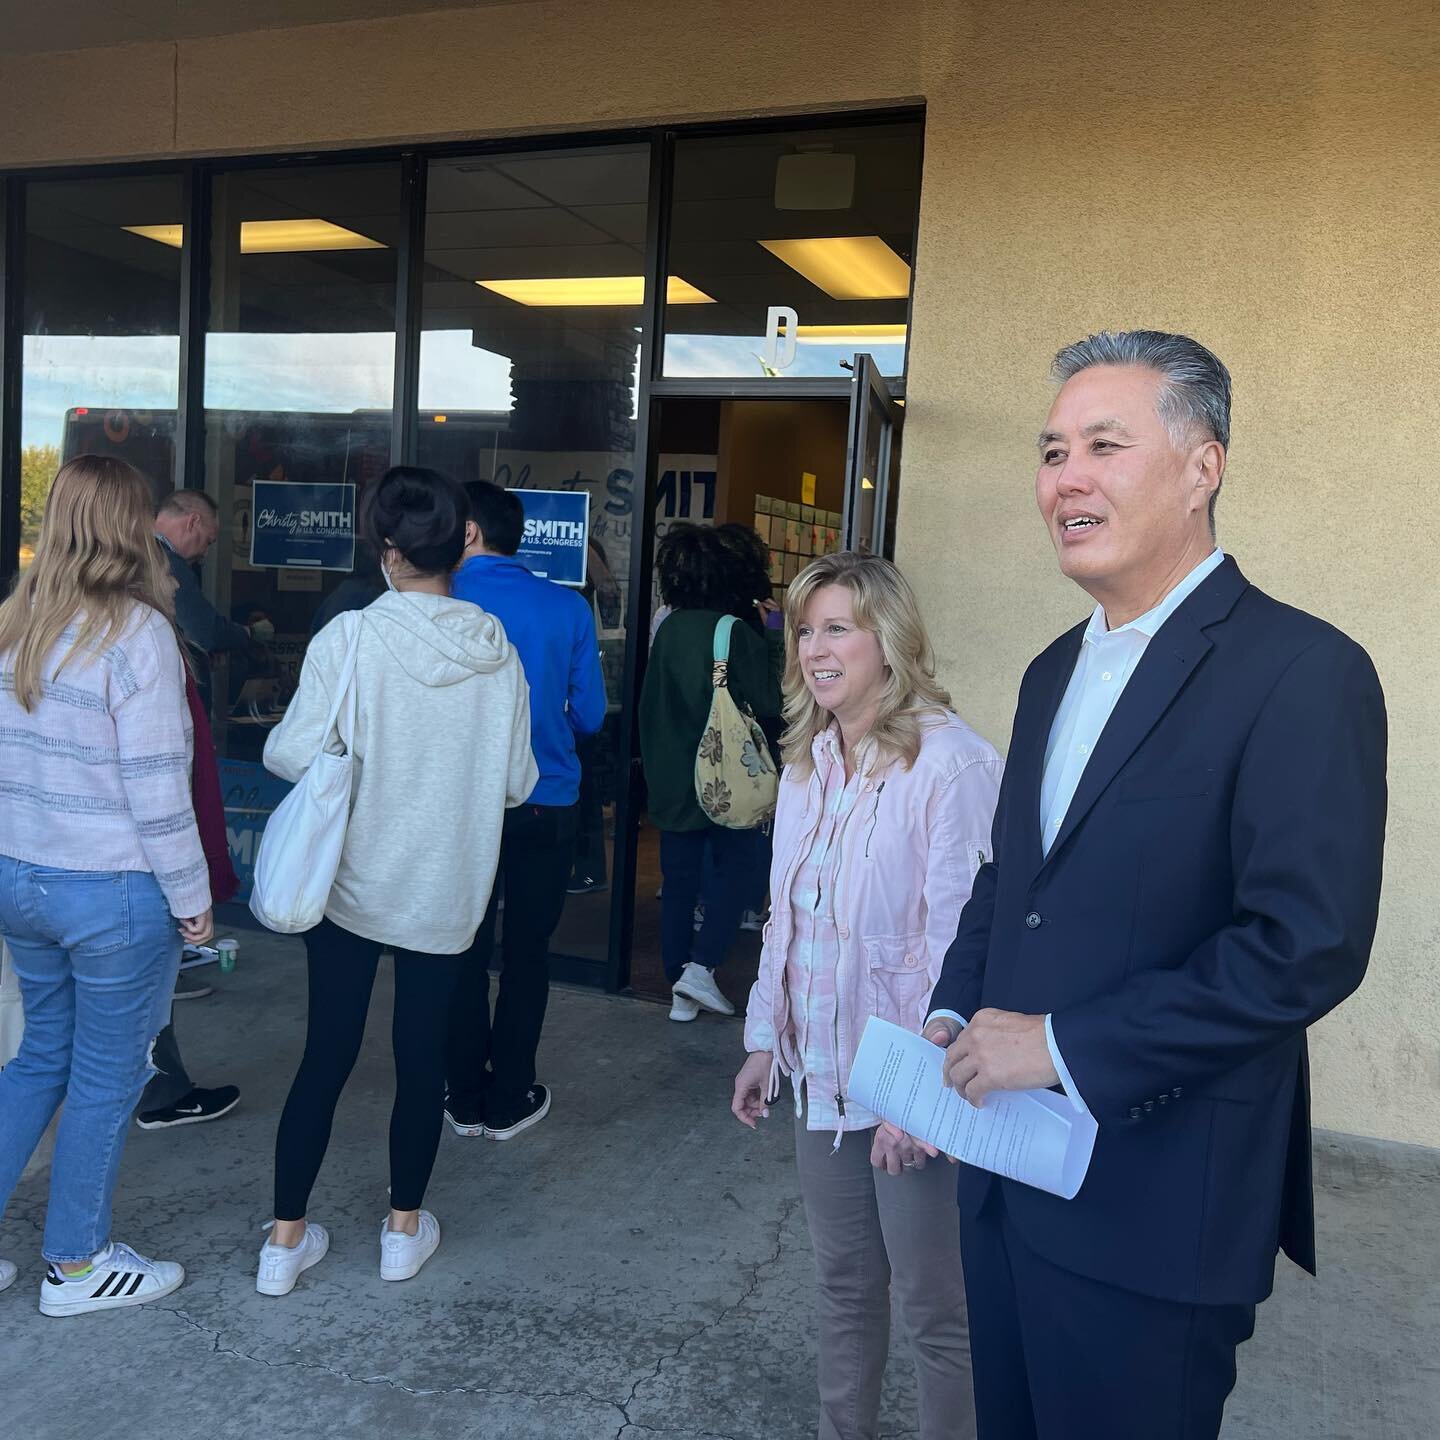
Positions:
{"x": 273, "y": 237}
{"x": 846, "y": 267}
{"x": 593, "y": 290}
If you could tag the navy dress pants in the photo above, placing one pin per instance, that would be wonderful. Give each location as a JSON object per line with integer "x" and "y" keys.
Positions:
{"x": 1058, "y": 1356}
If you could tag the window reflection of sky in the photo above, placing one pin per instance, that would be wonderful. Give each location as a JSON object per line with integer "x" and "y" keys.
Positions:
{"x": 341, "y": 373}
{"x": 337, "y": 373}
{"x": 723, "y": 357}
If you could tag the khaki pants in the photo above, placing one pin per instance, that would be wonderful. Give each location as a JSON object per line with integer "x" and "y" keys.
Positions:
{"x": 871, "y": 1231}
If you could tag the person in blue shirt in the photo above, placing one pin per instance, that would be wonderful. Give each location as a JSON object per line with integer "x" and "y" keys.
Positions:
{"x": 491, "y": 1088}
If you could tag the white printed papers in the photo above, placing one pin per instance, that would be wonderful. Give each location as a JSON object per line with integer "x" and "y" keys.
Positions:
{"x": 1034, "y": 1136}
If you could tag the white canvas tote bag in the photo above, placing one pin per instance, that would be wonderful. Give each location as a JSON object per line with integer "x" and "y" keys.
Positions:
{"x": 300, "y": 848}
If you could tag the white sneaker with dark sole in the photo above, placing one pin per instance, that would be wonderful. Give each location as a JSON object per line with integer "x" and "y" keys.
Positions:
{"x": 682, "y": 1007}
{"x": 8, "y": 1272}
{"x": 698, "y": 984}
{"x": 282, "y": 1265}
{"x": 402, "y": 1255}
{"x": 119, "y": 1277}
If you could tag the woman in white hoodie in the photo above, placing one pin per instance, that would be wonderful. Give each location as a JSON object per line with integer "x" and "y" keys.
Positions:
{"x": 441, "y": 749}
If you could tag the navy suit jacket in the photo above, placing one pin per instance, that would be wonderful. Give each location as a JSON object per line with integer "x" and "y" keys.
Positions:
{"x": 1212, "y": 892}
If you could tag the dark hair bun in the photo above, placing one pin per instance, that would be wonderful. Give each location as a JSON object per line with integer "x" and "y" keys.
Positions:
{"x": 419, "y": 512}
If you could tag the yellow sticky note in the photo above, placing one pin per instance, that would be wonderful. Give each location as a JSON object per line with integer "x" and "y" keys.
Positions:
{"x": 807, "y": 488}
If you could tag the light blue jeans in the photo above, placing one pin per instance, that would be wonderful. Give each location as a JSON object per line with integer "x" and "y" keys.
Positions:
{"x": 96, "y": 954}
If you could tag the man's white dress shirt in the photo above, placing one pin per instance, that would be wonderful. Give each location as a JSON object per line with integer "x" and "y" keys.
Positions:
{"x": 1108, "y": 658}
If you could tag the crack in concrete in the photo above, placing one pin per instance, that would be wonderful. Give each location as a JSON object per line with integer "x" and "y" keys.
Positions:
{"x": 383, "y": 1381}
{"x": 787, "y": 1210}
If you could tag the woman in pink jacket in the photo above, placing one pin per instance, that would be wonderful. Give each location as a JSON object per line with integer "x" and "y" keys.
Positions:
{"x": 884, "y": 817}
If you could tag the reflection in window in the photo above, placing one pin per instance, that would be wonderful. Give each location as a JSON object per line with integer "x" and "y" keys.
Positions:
{"x": 804, "y": 243}
{"x": 299, "y": 384}
{"x": 533, "y": 298}
{"x": 101, "y": 318}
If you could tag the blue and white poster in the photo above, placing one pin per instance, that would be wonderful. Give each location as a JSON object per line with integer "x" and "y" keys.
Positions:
{"x": 557, "y": 530}
{"x": 303, "y": 527}
{"x": 251, "y": 794}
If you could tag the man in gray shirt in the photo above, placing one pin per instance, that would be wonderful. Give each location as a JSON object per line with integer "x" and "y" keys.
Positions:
{"x": 187, "y": 524}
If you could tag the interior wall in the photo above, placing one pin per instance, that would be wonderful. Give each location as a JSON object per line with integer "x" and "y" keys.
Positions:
{"x": 767, "y": 445}
{"x": 1262, "y": 177}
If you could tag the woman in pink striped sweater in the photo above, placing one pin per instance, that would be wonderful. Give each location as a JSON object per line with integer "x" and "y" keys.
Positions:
{"x": 101, "y": 868}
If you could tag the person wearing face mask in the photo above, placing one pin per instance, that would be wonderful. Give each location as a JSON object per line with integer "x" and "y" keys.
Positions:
{"x": 884, "y": 816}
{"x": 419, "y": 856}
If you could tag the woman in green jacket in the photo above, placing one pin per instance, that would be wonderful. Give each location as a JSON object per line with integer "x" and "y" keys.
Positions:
{"x": 702, "y": 580}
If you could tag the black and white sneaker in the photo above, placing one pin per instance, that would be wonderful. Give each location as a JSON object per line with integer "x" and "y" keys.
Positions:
{"x": 535, "y": 1109}
{"x": 191, "y": 987}
{"x": 466, "y": 1120}
{"x": 118, "y": 1277}
{"x": 192, "y": 1109}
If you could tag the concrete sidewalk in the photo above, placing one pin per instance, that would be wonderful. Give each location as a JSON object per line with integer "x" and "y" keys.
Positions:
{"x": 636, "y": 1266}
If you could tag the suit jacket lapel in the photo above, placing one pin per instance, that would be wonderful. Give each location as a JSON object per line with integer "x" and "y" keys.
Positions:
{"x": 1032, "y": 734}
{"x": 1165, "y": 668}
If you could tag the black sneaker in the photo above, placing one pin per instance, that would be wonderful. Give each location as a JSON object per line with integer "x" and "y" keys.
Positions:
{"x": 192, "y": 1109}
{"x": 534, "y": 1110}
{"x": 191, "y": 987}
{"x": 466, "y": 1120}
{"x": 586, "y": 885}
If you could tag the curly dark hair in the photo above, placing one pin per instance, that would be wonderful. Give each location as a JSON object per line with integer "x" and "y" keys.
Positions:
{"x": 700, "y": 570}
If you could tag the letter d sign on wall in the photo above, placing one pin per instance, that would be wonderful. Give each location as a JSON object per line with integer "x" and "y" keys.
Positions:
{"x": 781, "y": 323}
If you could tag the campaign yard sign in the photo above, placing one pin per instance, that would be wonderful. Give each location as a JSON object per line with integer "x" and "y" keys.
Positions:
{"x": 557, "y": 526}
{"x": 302, "y": 526}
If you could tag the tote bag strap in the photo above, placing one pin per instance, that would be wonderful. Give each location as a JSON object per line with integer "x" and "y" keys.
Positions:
{"x": 345, "y": 689}
{"x": 720, "y": 672}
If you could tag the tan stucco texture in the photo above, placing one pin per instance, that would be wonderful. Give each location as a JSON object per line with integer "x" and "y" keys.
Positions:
{"x": 1264, "y": 177}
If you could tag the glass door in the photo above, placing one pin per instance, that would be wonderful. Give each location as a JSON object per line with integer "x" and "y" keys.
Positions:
{"x": 872, "y": 461}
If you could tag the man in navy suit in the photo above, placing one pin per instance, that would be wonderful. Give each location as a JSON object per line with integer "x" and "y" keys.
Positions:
{"x": 1185, "y": 875}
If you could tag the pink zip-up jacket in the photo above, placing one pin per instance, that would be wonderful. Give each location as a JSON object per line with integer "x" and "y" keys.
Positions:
{"x": 911, "y": 845}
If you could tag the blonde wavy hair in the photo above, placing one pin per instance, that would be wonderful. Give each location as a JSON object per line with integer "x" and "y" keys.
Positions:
{"x": 96, "y": 558}
{"x": 883, "y": 603}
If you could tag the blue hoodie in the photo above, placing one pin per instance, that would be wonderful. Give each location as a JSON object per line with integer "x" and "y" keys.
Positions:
{"x": 553, "y": 630}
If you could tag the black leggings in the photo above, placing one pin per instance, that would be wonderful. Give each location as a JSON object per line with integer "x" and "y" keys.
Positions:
{"x": 342, "y": 974}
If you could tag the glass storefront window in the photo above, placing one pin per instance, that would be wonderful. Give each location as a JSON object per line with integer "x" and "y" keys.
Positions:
{"x": 789, "y": 252}
{"x": 102, "y": 320}
{"x": 299, "y": 385}
{"x": 533, "y": 299}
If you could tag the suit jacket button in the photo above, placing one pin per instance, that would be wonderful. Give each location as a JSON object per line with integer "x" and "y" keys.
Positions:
{"x": 1134, "y": 1112}
{"x": 1033, "y": 920}
{"x": 1163, "y": 1098}
{"x": 1175, "y": 1093}
{"x": 1149, "y": 1106}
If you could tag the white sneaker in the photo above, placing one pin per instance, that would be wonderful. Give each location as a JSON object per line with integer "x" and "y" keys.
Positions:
{"x": 401, "y": 1255}
{"x": 118, "y": 1277}
{"x": 282, "y": 1265}
{"x": 682, "y": 1007}
{"x": 698, "y": 984}
{"x": 8, "y": 1272}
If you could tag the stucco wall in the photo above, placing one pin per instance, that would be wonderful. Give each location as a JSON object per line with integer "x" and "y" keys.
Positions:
{"x": 1263, "y": 177}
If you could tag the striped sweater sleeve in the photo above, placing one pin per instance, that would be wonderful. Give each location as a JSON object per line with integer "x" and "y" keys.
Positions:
{"x": 147, "y": 704}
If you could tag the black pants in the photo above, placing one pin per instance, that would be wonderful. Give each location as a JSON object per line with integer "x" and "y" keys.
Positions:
{"x": 342, "y": 974}
{"x": 491, "y": 1066}
{"x": 1058, "y": 1356}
